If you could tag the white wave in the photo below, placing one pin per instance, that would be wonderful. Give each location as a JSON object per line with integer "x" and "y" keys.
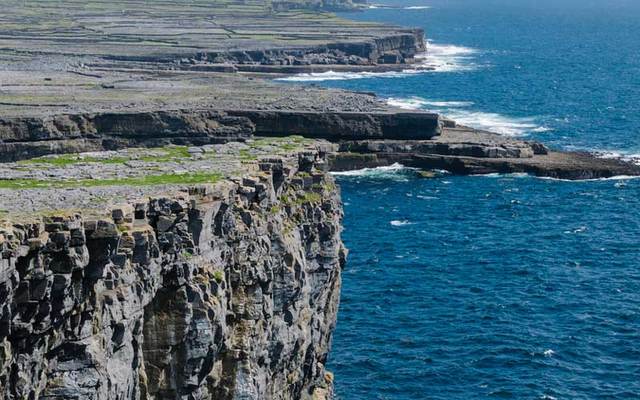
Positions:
{"x": 618, "y": 154}
{"x": 459, "y": 112}
{"x": 542, "y": 129}
{"x": 547, "y": 178}
{"x": 447, "y": 58}
{"x": 580, "y": 229}
{"x": 504, "y": 125}
{"x": 437, "y": 58}
{"x": 344, "y": 76}
{"x": 501, "y": 175}
{"x": 611, "y": 178}
{"x": 381, "y": 172}
{"x": 411, "y": 103}
{"x": 389, "y": 7}
{"x": 400, "y": 223}
{"x": 416, "y": 103}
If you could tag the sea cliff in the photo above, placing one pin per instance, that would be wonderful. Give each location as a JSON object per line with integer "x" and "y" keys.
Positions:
{"x": 227, "y": 290}
{"x": 169, "y": 228}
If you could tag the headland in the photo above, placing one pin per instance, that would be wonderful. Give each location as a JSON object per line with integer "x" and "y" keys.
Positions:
{"x": 170, "y": 228}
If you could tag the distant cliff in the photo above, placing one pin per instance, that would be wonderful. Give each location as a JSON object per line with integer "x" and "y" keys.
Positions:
{"x": 333, "y": 5}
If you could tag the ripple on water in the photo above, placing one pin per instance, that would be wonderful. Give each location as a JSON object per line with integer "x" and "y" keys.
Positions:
{"x": 461, "y": 300}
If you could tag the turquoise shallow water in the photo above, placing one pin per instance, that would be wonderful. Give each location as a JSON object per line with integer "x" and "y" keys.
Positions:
{"x": 500, "y": 286}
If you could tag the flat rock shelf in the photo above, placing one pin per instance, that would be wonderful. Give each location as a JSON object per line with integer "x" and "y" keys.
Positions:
{"x": 169, "y": 227}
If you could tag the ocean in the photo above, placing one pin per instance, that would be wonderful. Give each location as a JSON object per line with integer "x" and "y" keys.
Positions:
{"x": 499, "y": 286}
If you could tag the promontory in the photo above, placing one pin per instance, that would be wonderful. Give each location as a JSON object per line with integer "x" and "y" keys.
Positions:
{"x": 169, "y": 227}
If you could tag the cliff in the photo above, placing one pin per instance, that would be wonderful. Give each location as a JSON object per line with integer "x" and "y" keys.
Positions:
{"x": 227, "y": 290}
{"x": 161, "y": 237}
{"x": 333, "y": 5}
{"x": 219, "y": 35}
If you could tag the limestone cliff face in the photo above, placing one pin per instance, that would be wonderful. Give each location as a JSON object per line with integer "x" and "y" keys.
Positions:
{"x": 229, "y": 291}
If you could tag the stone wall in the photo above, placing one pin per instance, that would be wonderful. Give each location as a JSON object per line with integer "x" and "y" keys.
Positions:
{"x": 228, "y": 291}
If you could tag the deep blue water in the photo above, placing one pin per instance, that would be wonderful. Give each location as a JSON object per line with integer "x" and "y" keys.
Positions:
{"x": 507, "y": 287}
{"x": 501, "y": 286}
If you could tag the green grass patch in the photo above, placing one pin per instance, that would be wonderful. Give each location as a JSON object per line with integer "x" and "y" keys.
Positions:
{"x": 307, "y": 197}
{"x": 246, "y": 155}
{"x": 147, "y": 180}
{"x": 71, "y": 159}
{"x": 169, "y": 153}
{"x": 218, "y": 276}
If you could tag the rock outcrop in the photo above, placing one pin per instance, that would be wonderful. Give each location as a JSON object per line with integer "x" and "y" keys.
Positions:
{"x": 395, "y": 48}
{"x": 22, "y": 138}
{"x": 333, "y": 5}
{"x": 28, "y": 137}
{"x": 227, "y": 291}
{"x": 338, "y": 126}
{"x": 466, "y": 151}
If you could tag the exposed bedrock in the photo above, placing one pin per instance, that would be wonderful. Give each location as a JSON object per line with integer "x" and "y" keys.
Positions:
{"x": 22, "y": 138}
{"x": 335, "y": 5}
{"x": 343, "y": 125}
{"x": 227, "y": 292}
{"x": 394, "y": 48}
{"x": 554, "y": 164}
{"x": 466, "y": 151}
{"x": 28, "y": 137}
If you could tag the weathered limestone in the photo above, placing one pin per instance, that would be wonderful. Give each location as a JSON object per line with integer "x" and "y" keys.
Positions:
{"x": 219, "y": 34}
{"x": 343, "y": 125}
{"x": 22, "y": 138}
{"x": 466, "y": 151}
{"x": 227, "y": 291}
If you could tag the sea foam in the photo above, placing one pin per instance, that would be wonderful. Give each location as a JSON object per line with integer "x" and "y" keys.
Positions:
{"x": 618, "y": 154}
{"x": 394, "y": 171}
{"x": 437, "y": 58}
{"x": 447, "y": 58}
{"x": 460, "y": 112}
{"x": 400, "y": 222}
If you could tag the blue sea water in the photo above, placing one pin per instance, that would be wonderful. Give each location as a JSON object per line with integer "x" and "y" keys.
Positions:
{"x": 500, "y": 286}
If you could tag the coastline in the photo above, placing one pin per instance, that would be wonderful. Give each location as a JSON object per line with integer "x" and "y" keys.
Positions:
{"x": 135, "y": 82}
{"x": 170, "y": 226}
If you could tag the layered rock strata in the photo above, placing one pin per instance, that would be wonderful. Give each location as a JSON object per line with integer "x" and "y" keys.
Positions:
{"x": 222, "y": 35}
{"x": 466, "y": 151}
{"x": 23, "y": 138}
{"x": 225, "y": 291}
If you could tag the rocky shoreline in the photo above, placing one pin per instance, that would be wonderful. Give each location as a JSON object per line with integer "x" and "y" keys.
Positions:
{"x": 224, "y": 288}
{"x": 169, "y": 227}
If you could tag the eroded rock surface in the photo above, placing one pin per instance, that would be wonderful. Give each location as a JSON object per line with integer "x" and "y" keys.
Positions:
{"x": 226, "y": 291}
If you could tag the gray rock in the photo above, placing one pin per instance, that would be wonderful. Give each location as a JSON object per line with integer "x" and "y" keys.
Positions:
{"x": 228, "y": 293}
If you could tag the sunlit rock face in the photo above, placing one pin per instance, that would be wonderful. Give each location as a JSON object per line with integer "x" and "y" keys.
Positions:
{"x": 229, "y": 291}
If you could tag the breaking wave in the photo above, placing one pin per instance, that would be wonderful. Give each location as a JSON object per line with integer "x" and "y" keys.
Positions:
{"x": 447, "y": 58}
{"x": 417, "y": 103}
{"x": 343, "y": 76}
{"x": 437, "y": 58}
{"x": 621, "y": 155}
{"x": 393, "y": 171}
{"x": 389, "y": 7}
{"x": 400, "y": 222}
{"x": 508, "y": 126}
{"x": 459, "y": 111}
